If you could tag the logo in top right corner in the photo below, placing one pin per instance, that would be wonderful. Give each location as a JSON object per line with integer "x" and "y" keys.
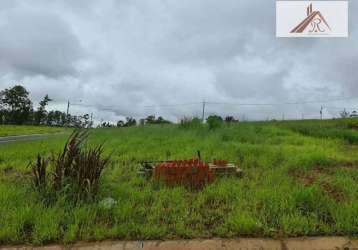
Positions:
{"x": 312, "y": 19}
{"x": 314, "y": 23}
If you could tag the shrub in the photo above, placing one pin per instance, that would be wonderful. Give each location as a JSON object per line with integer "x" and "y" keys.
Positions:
{"x": 190, "y": 123}
{"x": 76, "y": 171}
{"x": 39, "y": 172}
{"x": 214, "y": 121}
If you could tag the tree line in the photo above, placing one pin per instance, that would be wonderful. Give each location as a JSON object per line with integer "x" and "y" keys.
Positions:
{"x": 17, "y": 108}
{"x": 130, "y": 121}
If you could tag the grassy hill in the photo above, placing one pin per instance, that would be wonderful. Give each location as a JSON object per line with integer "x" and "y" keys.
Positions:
{"x": 300, "y": 178}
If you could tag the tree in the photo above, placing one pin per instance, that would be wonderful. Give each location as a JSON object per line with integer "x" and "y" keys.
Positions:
{"x": 191, "y": 123}
{"x": 41, "y": 113}
{"x": 85, "y": 120}
{"x": 106, "y": 125}
{"x": 150, "y": 119}
{"x": 230, "y": 119}
{"x": 344, "y": 114}
{"x": 16, "y": 106}
{"x": 130, "y": 121}
{"x": 214, "y": 121}
{"x": 56, "y": 118}
{"x": 161, "y": 120}
{"x": 120, "y": 124}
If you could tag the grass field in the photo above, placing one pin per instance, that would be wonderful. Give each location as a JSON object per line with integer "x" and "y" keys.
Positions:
{"x": 10, "y": 130}
{"x": 301, "y": 178}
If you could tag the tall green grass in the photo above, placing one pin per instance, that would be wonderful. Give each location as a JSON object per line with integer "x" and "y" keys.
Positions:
{"x": 11, "y": 130}
{"x": 271, "y": 199}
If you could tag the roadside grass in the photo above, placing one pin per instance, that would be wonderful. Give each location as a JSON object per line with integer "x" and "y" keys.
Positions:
{"x": 11, "y": 130}
{"x": 288, "y": 189}
{"x": 345, "y": 129}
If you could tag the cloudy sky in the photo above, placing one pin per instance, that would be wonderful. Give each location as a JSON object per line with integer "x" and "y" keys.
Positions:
{"x": 119, "y": 58}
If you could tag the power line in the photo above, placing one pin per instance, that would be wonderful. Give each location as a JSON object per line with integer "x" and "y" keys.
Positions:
{"x": 223, "y": 103}
{"x": 172, "y": 105}
{"x": 283, "y": 103}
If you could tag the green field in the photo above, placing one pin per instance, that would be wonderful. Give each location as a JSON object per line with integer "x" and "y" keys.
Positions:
{"x": 11, "y": 130}
{"x": 300, "y": 179}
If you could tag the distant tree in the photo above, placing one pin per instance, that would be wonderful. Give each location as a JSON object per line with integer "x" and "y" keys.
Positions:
{"x": 120, "y": 123}
{"x": 344, "y": 114}
{"x": 16, "y": 106}
{"x": 191, "y": 123}
{"x": 230, "y": 119}
{"x": 130, "y": 121}
{"x": 214, "y": 121}
{"x": 161, "y": 120}
{"x": 85, "y": 121}
{"x": 150, "y": 119}
{"x": 41, "y": 113}
{"x": 56, "y": 118}
{"x": 107, "y": 125}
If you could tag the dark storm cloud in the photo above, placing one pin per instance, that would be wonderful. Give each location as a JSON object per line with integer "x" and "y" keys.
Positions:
{"x": 126, "y": 57}
{"x": 37, "y": 43}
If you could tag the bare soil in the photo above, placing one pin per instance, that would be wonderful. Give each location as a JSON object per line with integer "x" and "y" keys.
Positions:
{"x": 322, "y": 243}
{"x": 322, "y": 177}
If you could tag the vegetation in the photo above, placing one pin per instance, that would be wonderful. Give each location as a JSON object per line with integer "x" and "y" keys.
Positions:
{"x": 10, "y": 130}
{"x": 75, "y": 172}
{"x": 214, "y": 121}
{"x": 296, "y": 182}
{"x": 191, "y": 123}
{"x": 16, "y": 108}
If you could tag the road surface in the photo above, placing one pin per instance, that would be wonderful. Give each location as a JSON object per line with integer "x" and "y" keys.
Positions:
{"x": 33, "y": 137}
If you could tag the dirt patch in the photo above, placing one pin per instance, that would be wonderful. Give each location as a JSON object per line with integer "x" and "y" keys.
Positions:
{"x": 333, "y": 192}
{"x": 322, "y": 177}
{"x": 11, "y": 174}
{"x": 353, "y": 126}
{"x": 324, "y": 243}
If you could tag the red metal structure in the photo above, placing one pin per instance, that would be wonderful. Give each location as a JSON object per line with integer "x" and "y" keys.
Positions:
{"x": 191, "y": 173}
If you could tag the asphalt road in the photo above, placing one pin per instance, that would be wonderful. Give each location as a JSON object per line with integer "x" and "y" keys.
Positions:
{"x": 33, "y": 137}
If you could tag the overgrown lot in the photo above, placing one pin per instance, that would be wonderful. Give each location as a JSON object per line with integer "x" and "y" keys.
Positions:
{"x": 301, "y": 178}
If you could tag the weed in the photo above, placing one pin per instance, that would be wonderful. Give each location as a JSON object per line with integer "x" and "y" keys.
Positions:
{"x": 190, "y": 123}
{"x": 76, "y": 171}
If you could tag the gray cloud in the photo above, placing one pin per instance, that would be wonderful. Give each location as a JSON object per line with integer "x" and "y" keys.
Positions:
{"x": 126, "y": 57}
{"x": 37, "y": 43}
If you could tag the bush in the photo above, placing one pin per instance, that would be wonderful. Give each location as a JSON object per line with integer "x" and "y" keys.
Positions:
{"x": 76, "y": 171}
{"x": 190, "y": 123}
{"x": 214, "y": 121}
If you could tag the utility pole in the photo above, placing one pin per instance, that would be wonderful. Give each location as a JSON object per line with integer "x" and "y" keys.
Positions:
{"x": 203, "y": 114}
{"x": 67, "y": 112}
{"x": 321, "y": 112}
{"x": 91, "y": 124}
{"x": 68, "y": 107}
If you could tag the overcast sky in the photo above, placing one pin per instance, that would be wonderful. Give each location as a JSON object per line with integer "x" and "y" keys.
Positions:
{"x": 120, "y": 58}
